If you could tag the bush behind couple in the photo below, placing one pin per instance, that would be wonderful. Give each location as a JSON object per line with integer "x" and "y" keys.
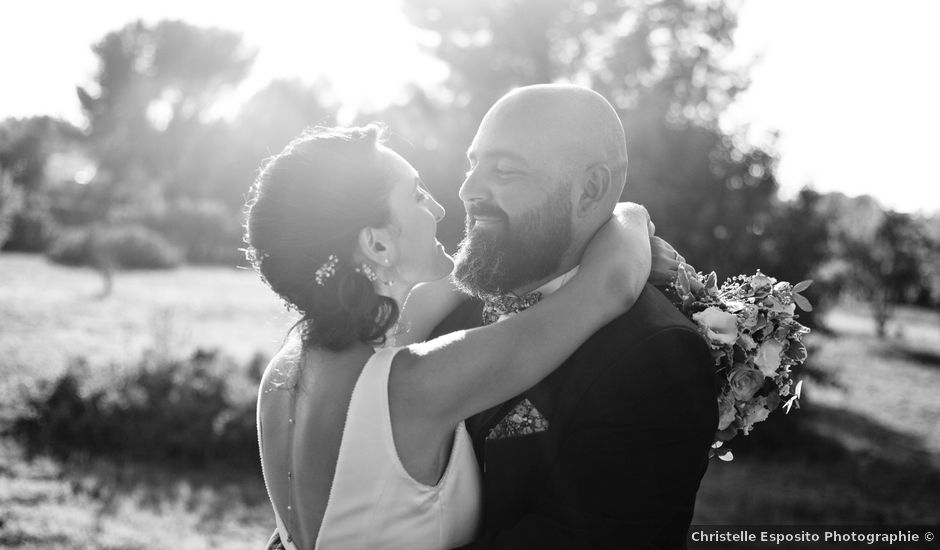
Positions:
{"x": 589, "y": 399}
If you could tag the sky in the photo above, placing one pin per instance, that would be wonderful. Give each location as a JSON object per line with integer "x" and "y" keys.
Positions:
{"x": 850, "y": 86}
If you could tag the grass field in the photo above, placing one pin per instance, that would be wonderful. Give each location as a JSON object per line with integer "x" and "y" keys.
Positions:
{"x": 866, "y": 451}
{"x": 49, "y": 313}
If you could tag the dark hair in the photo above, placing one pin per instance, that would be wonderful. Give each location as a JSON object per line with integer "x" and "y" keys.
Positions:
{"x": 309, "y": 202}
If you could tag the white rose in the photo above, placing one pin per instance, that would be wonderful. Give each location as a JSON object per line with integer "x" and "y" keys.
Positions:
{"x": 720, "y": 326}
{"x": 745, "y": 382}
{"x": 768, "y": 357}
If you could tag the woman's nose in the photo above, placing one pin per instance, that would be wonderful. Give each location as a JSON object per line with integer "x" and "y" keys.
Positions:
{"x": 437, "y": 210}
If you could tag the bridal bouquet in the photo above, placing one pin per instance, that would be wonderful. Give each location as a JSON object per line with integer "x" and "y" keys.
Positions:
{"x": 750, "y": 324}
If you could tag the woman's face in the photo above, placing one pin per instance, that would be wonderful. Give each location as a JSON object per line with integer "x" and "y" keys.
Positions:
{"x": 415, "y": 214}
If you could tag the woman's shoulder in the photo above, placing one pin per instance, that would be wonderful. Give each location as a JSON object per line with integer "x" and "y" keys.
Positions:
{"x": 282, "y": 371}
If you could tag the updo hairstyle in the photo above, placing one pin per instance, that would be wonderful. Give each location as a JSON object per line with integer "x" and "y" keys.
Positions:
{"x": 309, "y": 202}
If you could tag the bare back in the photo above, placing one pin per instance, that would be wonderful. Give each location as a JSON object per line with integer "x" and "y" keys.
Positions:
{"x": 302, "y": 408}
{"x": 333, "y": 469}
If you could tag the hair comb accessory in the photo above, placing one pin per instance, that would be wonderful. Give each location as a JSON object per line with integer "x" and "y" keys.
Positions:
{"x": 327, "y": 270}
{"x": 367, "y": 270}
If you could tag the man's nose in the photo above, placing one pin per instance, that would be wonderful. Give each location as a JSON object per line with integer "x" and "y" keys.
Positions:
{"x": 473, "y": 188}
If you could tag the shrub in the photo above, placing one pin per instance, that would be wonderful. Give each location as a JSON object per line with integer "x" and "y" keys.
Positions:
{"x": 197, "y": 411}
{"x": 125, "y": 247}
{"x": 207, "y": 231}
{"x": 136, "y": 247}
{"x": 33, "y": 230}
{"x": 10, "y": 204}
{"x": 73, "y": 248}
{"x": 26, "y": 224}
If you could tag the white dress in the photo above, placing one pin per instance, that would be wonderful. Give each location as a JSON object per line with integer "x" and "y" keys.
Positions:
{"x": 374, "y": 502}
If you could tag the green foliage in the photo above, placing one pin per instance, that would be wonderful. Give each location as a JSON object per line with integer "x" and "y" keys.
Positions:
{"x": 123, "y": 247}
{"x": 73, "y": 247}
{"x": 205, "y": 230}
{"x": 26, "y": 145}
{"x": 33, "y": 227}
{"x": 198, "y": 410}
{"x": 880, "y": 256}
{"x": 10, "y": 205}
{"x": 155, "y": 84}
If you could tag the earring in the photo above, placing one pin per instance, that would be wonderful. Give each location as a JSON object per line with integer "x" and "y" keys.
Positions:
{"x": 367, "y": 270}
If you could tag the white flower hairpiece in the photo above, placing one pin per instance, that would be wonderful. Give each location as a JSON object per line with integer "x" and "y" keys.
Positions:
{"x": 327, "y": 270}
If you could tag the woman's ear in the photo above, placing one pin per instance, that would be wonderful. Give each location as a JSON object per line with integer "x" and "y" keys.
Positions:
{"x": 594, "y": 190}
{"x": 378, "y": 245}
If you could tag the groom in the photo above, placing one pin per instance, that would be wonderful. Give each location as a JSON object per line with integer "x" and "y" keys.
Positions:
{"x": 608, "y": 451}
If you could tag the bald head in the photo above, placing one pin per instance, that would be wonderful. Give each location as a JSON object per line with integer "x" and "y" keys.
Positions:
{"x": 547, "y": 167}
{"x": 574, "y": 126}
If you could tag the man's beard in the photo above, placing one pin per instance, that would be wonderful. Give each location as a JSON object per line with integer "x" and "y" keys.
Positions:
{"x": 496, "y": 260}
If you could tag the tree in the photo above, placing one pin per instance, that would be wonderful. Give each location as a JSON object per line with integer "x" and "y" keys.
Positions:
{"x": 879, "y": 255}
{"x": 153, "y": 89}
{"x": 266, "y": 123}
{"x": 887, "y": 270}
{"x": 9, "y": 206}
{"x": 26, "y": 146}
{"x": 662, "y": 64}
{"x": 796, "y": 241}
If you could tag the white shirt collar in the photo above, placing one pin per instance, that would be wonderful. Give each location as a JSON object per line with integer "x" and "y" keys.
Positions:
{"x": 549, "y": 287}
{"x": 557, "y": 282}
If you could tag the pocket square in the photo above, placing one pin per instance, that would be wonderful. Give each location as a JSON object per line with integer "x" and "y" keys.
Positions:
{"x": 524, "y": 419}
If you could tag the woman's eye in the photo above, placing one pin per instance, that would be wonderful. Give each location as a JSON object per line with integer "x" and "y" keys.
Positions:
{"x": 421, "y": 195}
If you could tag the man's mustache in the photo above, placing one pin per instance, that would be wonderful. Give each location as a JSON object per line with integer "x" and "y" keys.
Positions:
{"x": 486, "y": 210}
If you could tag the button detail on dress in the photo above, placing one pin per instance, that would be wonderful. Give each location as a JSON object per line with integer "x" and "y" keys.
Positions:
{"x": 290, "y": 475}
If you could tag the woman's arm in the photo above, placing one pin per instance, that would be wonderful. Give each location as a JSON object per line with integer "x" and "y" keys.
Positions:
{"x": 457, "y": 375}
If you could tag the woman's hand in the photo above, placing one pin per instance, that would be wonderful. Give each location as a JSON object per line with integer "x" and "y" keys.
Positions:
{"x": 619, "y": 253}
{"x": 665, "y": 262}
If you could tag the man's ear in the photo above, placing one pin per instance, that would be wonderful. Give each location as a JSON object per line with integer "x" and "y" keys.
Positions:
{"x": 597, "y": 182}
{"x": 378, "y": 245}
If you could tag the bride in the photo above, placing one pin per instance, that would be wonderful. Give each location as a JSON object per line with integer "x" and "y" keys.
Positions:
{"x": 362, "y": 442}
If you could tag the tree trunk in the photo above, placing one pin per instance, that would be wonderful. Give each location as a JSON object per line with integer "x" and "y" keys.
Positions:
{"x": 882, "y": 310}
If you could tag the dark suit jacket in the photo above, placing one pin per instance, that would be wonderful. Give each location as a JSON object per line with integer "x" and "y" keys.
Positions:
{"x": 631, "y": 414}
